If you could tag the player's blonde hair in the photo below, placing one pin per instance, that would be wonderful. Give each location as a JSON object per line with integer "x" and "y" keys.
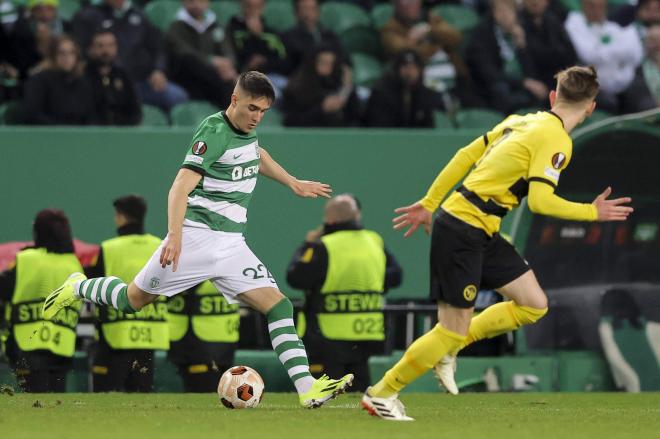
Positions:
{"x": 577, "y": 84}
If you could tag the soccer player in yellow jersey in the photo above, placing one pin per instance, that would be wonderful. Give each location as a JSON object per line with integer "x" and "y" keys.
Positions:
{"x": 522, "y": 156}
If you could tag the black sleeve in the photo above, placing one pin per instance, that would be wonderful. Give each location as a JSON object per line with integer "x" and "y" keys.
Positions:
{"x": 98, "y": 269}
{"x": 393, "y": 271}
{"x": 308, "y": 267}
{"x": 7, "y": 285}
{"x": 132, "y": 109}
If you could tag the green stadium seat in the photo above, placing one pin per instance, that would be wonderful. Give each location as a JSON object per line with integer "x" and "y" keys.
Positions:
{"x": 279, "y": 16}
{"x": 442, "y": 121}
{"x": 272, "y": 119}
{"x": 67, "y": 9}
{"x": 361, "y": 39}
{"x": 461, "y": 17}
{"x": 191, "y": 113}
{"x": 224, "y": 10}
{"x": 11, "y": 113}
{"x": 597, "y": 116}
{"x": 342, "y": 16}
{"x": 366, "y": 69}
{"x": 571, "y": 5}
{"x": 161, "y": 13}
{"x": 153, "y": 116}
{"x": 381, "y": 13}
{"x": 478, "y": 118}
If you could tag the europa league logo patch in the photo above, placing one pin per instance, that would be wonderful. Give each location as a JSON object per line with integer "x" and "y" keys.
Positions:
{"x": 558, "y": 160}
{"x": 199, "y": 148}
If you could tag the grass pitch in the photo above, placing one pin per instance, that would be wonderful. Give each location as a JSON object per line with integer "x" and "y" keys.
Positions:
{"x": 483, "y": 416}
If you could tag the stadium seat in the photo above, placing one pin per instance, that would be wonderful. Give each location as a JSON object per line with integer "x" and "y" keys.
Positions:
{"x": 478, "y": 118}
{"x": 597, "y": 116}
{"x": 361, "y": 39}
{"x": 11, "y": 113}
{"x": 342, "y": 16}
{"x": 461, "y": 17}
{"x": 224, "y": 10}
{"x": 442, "y": 121}
{"x": 272, "y": 119}
{"x": 161, "y": 13}
{"x": 191, "y": 113}
{"x": 381, "y": 13}
{"x": 366, "y": 69}
{"x": 153, "y": 117}
{"x": 67, "y": 9}
{"x": 279, "y": 16}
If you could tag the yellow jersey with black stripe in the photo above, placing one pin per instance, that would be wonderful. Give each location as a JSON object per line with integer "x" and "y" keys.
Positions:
{"x": 519, "y": 150}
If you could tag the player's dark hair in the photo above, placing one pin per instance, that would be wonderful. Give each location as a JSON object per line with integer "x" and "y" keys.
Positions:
{"x": 577, "y": 84}
{"x": 51, "y": 230}
{"x": 257, "y": 85}
{"x": 133, "y": 207}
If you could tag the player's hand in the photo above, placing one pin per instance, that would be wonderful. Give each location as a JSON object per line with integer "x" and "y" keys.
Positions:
{"x": 310, "y": 189}
{"x": 171, "y": 251}
{"x": 612, "y": 210}
{"x": 413, "y": 216}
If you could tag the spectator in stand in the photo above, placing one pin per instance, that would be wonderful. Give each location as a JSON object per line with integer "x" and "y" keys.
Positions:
{"x": 33, "y": 33}
{"x": 60, "y": 94}
{"x": 9, "y": 74}
{"x": 257, "y": 47}
{"x": 435, "y": 41}
{"x": 643, "y": 15}
{"x": 501, "y": 64}
{"x": 199, "y": 54}
{"x": 141, "y": 49}
{"x": 651, "y": 64}
{"x": 548, "y": 45}
{"x": 115, "y": 96}
{"x": 616, "y": 53}
{"x": 308, "y": 34}
{"x": 321, "y": 93}
{"x": 400, "y": 99}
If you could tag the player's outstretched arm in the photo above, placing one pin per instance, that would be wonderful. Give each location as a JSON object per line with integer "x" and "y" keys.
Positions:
{"x": 414, "y": 216}
{"x": 543, "y": 201}
{"x": 303, "y": 188}
{"x": 177, "y": 201}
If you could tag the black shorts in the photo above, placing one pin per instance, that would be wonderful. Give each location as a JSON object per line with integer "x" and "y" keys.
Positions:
{"x": 464, "y": 260}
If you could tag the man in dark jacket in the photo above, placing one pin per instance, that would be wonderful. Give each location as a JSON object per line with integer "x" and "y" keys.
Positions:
{"x": 400, "y": 99}
{"x": 257, "y": 47}
{"x": 115, "y": 96}
{"x": 308, "y": 34}
{"x": 141, "y": 49}
{"x": 199, "y": 53}
{"x": 500, "y": 62}
{"x": 548, "y": 45}
{"x": 343, "y": 299}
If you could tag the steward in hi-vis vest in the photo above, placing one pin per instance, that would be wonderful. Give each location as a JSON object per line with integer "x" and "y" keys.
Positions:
{"x": 124, "y": 360}
{"x": 39, "y": 351}
{"x": 204, "y": 333}
{"x": 344, "y": 271}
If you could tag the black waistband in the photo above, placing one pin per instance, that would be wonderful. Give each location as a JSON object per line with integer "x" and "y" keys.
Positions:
{"x": 489, "y": 207}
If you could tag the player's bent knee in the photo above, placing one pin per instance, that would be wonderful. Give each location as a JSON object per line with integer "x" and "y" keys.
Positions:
{"x": 526, "y": 315}
{"x": 137, "y": 298}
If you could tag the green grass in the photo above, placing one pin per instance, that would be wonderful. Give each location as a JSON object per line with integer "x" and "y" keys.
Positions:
{"x": 483, "y": 416}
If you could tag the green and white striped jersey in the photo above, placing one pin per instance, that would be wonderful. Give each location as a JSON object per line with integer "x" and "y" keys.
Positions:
{"x": 228, "y": 160}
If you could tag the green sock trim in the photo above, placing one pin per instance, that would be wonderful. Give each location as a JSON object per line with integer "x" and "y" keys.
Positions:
{"x": 123, "y": 304}
{"x": 282, "y": 310}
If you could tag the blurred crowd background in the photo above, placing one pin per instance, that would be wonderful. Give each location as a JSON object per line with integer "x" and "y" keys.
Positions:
{"x": 399, "y": 63}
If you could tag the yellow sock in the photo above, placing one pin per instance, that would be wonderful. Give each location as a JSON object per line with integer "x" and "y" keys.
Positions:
{"x": 420, "y": 356}
{"x": 499, "y": 319}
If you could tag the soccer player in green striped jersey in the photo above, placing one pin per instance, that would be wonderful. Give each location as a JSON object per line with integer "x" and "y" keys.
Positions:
{"x": 207, "y": 214}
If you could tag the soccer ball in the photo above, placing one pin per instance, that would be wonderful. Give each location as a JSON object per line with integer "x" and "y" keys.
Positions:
{"x": 240, "y": 387}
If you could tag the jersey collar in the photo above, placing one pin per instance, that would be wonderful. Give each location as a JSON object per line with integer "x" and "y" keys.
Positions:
{"x": 231, "y": 125}
{"x": 557, "y": 116}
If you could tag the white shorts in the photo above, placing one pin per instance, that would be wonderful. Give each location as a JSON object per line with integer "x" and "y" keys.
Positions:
{"x": 223, "y": 258}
